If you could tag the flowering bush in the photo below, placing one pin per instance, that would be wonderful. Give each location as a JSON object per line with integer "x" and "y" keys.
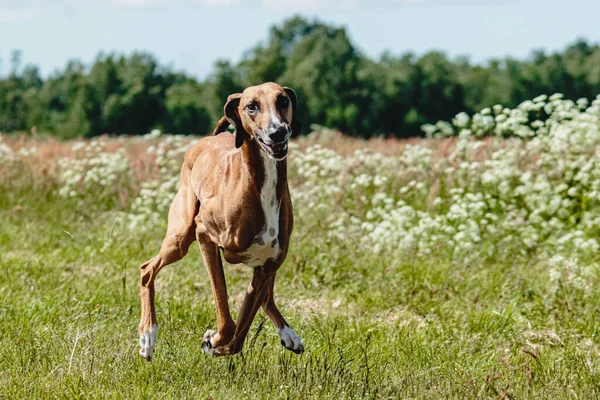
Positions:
{"x": 6, "y": 153}
{"x": 94, "y": 174}
{"x": 152, "y": 203}
{"x": 531, "y": 186}
{"x": 531, "y": 118}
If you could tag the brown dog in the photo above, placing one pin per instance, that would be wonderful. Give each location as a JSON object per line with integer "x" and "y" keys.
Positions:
{"x": 233, "y": 196}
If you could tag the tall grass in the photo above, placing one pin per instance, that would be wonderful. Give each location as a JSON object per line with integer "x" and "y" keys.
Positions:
{"x": 437, "y": 268}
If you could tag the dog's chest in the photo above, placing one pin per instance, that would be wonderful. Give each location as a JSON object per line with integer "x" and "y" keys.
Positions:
{"x": 265, "y": 244}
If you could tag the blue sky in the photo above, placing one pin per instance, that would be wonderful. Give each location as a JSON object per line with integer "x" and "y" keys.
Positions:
{"x": 191, "y": 35}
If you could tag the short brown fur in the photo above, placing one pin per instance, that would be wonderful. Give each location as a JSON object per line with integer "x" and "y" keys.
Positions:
{"x": 218, "y": 204}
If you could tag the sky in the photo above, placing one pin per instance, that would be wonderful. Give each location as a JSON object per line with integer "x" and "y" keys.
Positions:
{"x": 190, "y": 35}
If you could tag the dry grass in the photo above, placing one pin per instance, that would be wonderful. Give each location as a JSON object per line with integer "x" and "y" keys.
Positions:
{"x": 385, "y": 325}
{"x": 49, "y": 150}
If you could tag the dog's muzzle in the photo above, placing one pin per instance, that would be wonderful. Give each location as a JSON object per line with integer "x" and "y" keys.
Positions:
{"x": 277, "y": 151}
{"x": 276, "y": 143}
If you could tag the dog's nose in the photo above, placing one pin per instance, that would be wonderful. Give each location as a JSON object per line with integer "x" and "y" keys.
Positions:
{"x": 279, "y": 134}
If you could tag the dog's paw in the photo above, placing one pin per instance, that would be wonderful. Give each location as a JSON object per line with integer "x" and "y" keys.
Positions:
{"x": 147, "y": 342}
{"x": 208, "y": 345}
{"x": 290, "y": 340}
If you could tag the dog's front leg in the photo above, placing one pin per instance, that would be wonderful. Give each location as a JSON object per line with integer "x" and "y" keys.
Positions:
{"x": 216, "y": 343}
{"x": 255, "y": 297}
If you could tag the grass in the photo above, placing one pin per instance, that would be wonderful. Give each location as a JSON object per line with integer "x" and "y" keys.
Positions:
{"x": 373, "y": 326}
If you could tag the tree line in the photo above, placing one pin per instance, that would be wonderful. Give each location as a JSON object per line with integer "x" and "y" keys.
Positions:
{"x": 337, "y": 85}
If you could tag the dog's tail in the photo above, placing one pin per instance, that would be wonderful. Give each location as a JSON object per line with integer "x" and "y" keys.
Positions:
{"x": 222, "y": 125}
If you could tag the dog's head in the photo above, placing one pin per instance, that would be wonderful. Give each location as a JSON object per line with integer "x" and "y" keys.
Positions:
{"x": 266, "y": 113}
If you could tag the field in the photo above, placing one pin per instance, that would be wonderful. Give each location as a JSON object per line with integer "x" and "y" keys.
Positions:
{"x": 458, "y": 267}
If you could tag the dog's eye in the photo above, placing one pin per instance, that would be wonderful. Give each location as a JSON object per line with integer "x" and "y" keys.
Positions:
{"x": 282, "y": 102}
{"x": 252, "y": 107}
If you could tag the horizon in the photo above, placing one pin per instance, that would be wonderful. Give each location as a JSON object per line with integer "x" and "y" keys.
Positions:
{"x": 503, "y": 30}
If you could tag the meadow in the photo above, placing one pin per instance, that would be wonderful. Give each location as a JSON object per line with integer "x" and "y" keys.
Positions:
{"x": 463, "y": 265}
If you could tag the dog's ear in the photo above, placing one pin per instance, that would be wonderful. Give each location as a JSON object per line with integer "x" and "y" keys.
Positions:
{"x": 221, "y": 126}
{"x": 233, "y": 116}
{"x": 296, "y": 125}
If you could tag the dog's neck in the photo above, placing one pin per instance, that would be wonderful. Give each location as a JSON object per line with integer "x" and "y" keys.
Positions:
{"x": 256, "y": 162}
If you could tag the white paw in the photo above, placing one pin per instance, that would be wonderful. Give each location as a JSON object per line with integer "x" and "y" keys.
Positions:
{"x": 207, "y": 342}
{"x": 208, "y": 345}
{"x": 290, "y": 340}
{"x": 147, "y": 342}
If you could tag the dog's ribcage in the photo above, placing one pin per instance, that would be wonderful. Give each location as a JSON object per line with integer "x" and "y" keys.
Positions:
{"x": 266, "y": 243}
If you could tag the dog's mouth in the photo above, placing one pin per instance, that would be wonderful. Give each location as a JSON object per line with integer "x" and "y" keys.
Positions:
{"x": 278, "y": 151}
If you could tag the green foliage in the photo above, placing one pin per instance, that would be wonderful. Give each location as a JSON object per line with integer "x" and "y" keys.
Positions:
{"x": 223, "y": 82}
{"x": 445, "y": 269}
{"x": 338, "y": 86}
{"x": 185, "y": 112}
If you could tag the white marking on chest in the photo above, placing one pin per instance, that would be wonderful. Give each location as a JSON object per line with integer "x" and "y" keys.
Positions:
{"x": 266, "y": 243}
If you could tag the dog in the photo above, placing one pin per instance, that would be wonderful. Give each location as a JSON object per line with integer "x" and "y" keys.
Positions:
{"x": 233, "y": 197}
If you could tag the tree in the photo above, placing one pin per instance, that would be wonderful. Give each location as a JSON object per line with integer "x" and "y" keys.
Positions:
{"x": 322, "y": 68}
{"x": 440, "y": 94}
{"x": 184, "y": 110}
{"x": 337, "y": 86}
{"x": 219, "y": 85}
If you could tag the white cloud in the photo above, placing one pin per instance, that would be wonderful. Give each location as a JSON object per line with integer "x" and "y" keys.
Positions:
{"x": 157, "y": 3}
{"x": 309, "y": 5}
{"x": 12, "y": 8}
{"x": 295, "y": 5}
{"x": 36, "y": 4}
{"x": 13, "y": 14}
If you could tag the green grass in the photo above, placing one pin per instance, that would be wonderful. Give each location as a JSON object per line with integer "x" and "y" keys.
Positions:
{"x": 373, "y": 326}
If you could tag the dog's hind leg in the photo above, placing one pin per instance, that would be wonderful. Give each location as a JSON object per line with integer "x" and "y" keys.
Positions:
{"x": 179, "y": 237}
{"x": 289, "y": 339}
